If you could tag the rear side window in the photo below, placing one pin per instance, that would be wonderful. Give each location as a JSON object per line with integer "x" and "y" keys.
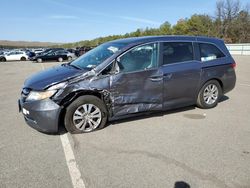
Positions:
{"x": 174, "y": 52}
{"x": 209, "y": 52}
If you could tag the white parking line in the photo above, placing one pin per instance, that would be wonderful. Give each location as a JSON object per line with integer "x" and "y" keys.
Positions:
{"x": 42, "y": 66}
{"x": 245, "y": 85}
{"x": 74, "y": 172}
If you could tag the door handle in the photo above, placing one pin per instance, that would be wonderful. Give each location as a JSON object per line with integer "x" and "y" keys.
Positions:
{"x": 156, "y": 78}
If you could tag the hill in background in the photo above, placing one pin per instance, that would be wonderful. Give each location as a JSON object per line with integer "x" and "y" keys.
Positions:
{"x": 24, "y": 44}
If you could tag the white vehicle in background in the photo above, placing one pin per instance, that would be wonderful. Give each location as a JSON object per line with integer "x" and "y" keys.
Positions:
{"x": 14, "y": 56}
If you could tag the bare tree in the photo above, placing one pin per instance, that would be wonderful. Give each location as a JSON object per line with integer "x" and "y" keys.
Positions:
{"x": 226, "y": 12}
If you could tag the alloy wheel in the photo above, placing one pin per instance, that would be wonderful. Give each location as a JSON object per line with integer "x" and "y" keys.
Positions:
{"x": 87, "y": 117}
{"x": 210, "y": 94}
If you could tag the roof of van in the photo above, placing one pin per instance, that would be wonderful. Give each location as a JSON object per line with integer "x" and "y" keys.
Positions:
{"x": 166, "y": 38}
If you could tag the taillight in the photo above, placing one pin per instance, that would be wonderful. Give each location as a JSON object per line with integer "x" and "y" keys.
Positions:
{"x": 233, "y": 65}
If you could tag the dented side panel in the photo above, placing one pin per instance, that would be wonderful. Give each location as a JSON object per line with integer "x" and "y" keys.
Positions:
{"x": 136, "y": 92}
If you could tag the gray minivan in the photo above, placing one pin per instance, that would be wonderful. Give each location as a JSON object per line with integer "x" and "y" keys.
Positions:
{"x": 128, "y": 77}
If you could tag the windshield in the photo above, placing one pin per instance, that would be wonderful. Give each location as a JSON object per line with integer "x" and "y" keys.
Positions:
{"x": 98, "y": 55}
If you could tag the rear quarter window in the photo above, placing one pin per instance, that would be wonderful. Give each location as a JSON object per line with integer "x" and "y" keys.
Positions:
{"x": 209, "y": 52}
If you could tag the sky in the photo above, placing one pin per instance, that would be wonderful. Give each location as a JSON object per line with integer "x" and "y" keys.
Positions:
{"x": 75, "y": 20}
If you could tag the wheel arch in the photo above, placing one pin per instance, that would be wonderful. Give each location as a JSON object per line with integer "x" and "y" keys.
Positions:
{"x": 67, "y": 100}
{"x": 217, "y": 79}
{"x": 3, "y": 58}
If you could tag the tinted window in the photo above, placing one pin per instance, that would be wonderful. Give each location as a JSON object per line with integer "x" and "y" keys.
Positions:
{"x": 61, "y": 52}
{"x": 174, "y": 52}
{"x": 139, "y": 58}
{"x": 209, "y": 52}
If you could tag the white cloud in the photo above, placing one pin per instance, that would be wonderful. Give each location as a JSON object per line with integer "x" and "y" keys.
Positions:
{"x": 63, "y": 17}
{"x": 140, "y": 20}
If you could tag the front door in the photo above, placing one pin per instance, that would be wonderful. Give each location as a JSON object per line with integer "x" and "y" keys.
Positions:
{"x": 138, "y": 84}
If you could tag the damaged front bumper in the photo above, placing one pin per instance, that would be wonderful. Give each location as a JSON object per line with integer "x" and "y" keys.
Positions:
{"x": 43, "y": 115}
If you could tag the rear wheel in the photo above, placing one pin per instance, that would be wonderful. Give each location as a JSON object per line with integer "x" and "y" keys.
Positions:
{"x": 209, "y": 94}
{"x": 69, "y": 58}
{"x": 23, "y": 59}
{"x": 39, "y": 60}
{"x": 86, "y": 114}
{"x": 60, "y": 59}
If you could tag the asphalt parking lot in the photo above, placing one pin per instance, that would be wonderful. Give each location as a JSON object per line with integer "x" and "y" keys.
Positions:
{"x": 203, "y": 148}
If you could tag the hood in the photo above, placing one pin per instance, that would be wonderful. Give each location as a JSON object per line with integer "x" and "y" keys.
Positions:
{"x": 43, "y": 79}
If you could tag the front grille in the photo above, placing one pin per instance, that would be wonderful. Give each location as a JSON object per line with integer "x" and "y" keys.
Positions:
{"x": 24, "y": 94}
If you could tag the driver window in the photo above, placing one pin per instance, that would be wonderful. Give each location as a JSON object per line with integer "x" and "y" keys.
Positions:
{"x": 140, "y": 58}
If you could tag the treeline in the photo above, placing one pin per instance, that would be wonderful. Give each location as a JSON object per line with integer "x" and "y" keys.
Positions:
{"x": 231, "y": 22}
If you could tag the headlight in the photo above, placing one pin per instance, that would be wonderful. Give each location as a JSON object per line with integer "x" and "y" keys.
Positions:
{"x": 40, "y": 95}
{"x": 37, "y": 95}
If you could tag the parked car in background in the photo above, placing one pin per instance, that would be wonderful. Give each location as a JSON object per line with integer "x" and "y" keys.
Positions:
{"x": 51, "y": 56}
{"x": 51, "y": 50}
{"x": 71, "y": 50}
{"x": 14, "y": 56}
{"x": 37, "y": 51}
{"x": 128, "y": 77}
{"x": 70, "y": 55}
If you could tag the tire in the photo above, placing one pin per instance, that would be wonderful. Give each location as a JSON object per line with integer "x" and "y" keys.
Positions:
{"x": 39, "y": 60}
{"x": 74, "y": 119}
{"x": 23, "y": 59}
{"x": 60, "y": 59}
{"x": 209, "y": 95}
{"x": 69, "y": 58}
{"x": 3, "y": 59}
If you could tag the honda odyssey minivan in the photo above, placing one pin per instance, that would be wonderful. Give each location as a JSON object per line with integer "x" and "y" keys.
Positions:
{"x": 128, "y": 77}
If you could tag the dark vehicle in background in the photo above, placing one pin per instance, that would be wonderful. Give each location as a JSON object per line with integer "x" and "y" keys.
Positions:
{"x": 50, "y": 50}
{"x": 52, "y": 55}
{"x": 128, "y": 77}
{"x": 30, "y": 54}
{"x": 82, "y": 50}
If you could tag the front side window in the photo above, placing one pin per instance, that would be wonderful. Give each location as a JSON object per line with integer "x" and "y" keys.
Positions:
{"x": 209, "y": 52}
{"x": 174, "y": 52}
{"x": 12, "y": 53}
{"x": 140, "y": 58}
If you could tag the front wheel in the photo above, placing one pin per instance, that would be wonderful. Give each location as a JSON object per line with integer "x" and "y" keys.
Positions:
{"x": 209, "y": 94}
{"x": 86, "y": 114}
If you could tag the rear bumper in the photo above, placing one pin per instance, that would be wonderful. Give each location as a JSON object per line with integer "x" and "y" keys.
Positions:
{"x": 41, "y": 115}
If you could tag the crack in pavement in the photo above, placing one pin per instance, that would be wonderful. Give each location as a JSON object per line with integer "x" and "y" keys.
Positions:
{"x": 166, "y": 160}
